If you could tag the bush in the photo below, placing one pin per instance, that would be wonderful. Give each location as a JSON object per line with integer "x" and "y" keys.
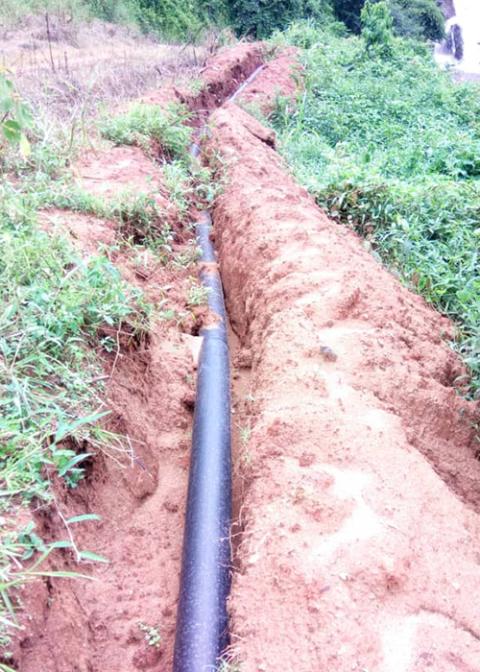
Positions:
{"x": 144, "y": 123}
{"x": 377, "y": 27}
{"x": 418, "y": 19}
{"x": 348, "y": 11}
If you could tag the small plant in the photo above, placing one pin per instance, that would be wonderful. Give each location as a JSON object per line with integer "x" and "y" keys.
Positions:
{"x": 152, "y": 635}
{"x": 245, "y": 434}
{"x": 177, "y": 180}
{"x": 229, "y": 666}
{"x": 197, "y": 294}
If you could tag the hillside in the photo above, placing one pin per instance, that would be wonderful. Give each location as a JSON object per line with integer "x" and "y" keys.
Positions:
{"x": 239, "y": 338}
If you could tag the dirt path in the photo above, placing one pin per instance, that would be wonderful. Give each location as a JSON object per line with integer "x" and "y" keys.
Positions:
{"x": 355, "y": 476}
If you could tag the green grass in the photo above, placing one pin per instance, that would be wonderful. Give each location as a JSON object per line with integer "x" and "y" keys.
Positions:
{"x": 144, "y": 123}
{"x": 391, "y": 147}
{"x": 53, "y": 309}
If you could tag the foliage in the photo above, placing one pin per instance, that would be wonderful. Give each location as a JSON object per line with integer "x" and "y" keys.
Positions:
{"x": 260, "y": 18}
{"x": 391, "y": 147}
{"x": 377, "y": 27}
{"x": 144, "y": 123}
{"x": 15, "y": 116}
{"x": 348, "y": 11}
{"x": 420, "y": 19}
{"x": 53, "y": 304}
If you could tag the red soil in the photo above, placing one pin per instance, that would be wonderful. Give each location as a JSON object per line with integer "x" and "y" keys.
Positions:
{"x": 360, "y": 535}
{"x": 87, "y": 233}
{"x": 116, "y": 171}
{"x": 222, "y": 75}
{"x": 281, "y": 77}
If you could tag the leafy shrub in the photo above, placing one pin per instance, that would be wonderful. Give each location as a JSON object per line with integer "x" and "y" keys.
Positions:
{"x": 348, "y": 11}
{"x": 15, "y": 116}
{"x": 377, "y": 27}
{"x": 420, "y": 19}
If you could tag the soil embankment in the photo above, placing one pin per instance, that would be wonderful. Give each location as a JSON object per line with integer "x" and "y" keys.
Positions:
{"x": 359, "y": 547}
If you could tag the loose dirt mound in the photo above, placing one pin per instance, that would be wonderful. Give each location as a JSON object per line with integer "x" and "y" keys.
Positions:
{"x": 360, "y": 533}
{"x": 222, "y": 75}
{"x": 281, "y": 77}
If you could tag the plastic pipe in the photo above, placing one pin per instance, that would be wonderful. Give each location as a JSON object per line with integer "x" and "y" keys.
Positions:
{"x": 202, "y": 620}
{"x": 248, "y": 81}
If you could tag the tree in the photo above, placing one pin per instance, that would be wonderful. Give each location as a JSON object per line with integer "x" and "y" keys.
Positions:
{"x": 261, "y": 17}
{"x": 420, "y": 19}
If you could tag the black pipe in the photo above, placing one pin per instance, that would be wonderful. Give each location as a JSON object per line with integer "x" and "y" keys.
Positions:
{"x": 248, "y": 81}
{"x": 202, "y": 621}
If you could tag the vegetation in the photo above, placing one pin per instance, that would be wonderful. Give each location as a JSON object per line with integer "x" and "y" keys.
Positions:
{"x": 390, "y": 145}
{"x": 54, "y": 305}
{"x": 59, "y": 313}
{"x": 186, "y": 19}
{"x": 144, "y": 123}
{"x": 15, "y": 116}
{"x": 260, "y": 19}
{"x": 174, "y": 19}
{"x": 419, "y": 19}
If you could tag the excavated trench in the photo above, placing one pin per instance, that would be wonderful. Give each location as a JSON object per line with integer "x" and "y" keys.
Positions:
{"x": 356, "y": 491}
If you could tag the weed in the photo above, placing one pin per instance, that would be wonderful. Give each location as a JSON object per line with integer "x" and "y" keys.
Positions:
{"x": 197, "y": 294}
{"x": 177, "y": 180}
{"x": 245, "y": 434}
{"x": 152, "y": 635}
{"x": 195, "y": 86}
{"x": 229, "y": 666}
{"x": 187, "y": 257}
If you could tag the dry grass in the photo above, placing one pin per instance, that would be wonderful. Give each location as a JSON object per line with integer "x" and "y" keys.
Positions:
{"x": 68, "y": 71}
